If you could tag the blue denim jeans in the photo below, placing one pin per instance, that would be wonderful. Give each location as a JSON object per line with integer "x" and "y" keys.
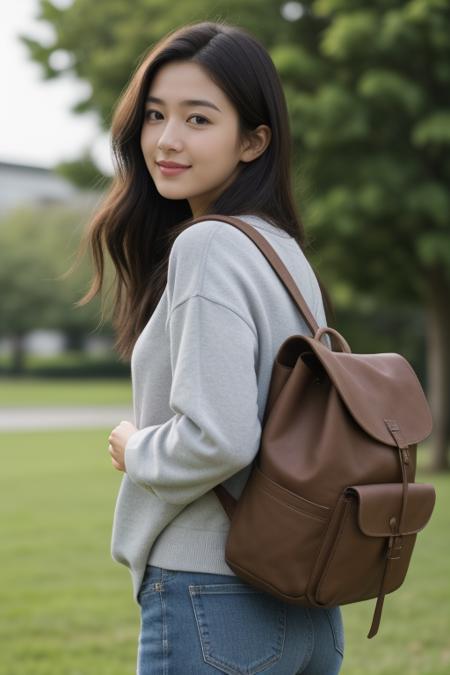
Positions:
{"x": 195, "y": 623}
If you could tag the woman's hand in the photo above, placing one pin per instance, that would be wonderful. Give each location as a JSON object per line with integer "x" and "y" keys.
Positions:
{"x": 117, "y": 441}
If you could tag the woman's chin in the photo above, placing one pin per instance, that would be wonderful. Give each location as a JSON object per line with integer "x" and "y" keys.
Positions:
{"x": 171, "y": 193}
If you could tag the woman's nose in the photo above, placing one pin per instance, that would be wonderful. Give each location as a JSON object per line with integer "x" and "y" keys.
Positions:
{"x": 170, "y": 138}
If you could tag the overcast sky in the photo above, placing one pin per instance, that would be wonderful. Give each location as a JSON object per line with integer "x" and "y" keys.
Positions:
{"x": 36, "y": 125}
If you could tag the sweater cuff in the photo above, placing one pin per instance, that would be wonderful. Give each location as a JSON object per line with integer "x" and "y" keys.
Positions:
{"x": 131, "y": 454}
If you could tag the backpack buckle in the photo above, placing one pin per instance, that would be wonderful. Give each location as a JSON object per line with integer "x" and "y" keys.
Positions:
{"x": 394, "y": 547}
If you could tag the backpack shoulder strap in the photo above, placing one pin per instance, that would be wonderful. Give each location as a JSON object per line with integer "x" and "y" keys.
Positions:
{"x": 274, "y": 259}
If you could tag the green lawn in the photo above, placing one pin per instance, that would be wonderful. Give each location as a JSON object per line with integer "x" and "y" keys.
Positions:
{"x": 36, "y": 391}
{"x": 67, "y": 608}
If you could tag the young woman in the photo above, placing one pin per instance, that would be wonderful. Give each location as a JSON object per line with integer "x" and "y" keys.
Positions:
{"x": 202, "y": 128}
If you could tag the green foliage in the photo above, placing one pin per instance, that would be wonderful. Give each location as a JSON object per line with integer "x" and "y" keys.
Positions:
{"x": 82, "y": 172}
{"x": 432, "y": 247}
{"x": 318, "y": 115}
{"x": 37, "y": 245}
{"x": 373, "y": 136}
{"x": 430, "y": 201}
{"x": 388, "y": 89}
{"x": 433, "y": 130}
{"x": 78, "y": 364}
{"x": 350, "y": 34}
{"x": 298, "y": 64}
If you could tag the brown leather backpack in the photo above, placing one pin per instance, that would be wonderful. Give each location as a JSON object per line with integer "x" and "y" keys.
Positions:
{"x": 330, "y": 512}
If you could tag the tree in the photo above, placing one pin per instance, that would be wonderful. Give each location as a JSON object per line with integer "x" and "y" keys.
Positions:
{"x": 82, "y": 172}
{"x": 371, "y": 112}
{"x": 368, "y": 93}
{"x": 36, "y": 246}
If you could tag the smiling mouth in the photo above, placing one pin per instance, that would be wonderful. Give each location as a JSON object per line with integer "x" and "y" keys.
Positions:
{"x": 171, "y": 165}
{"x": 172, "y": 170}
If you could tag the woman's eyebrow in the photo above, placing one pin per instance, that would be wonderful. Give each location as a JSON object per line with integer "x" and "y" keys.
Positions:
{"x": 191, "y": 102}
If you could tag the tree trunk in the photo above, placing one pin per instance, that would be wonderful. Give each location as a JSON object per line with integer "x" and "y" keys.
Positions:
{"x": 17, "y": 354}
{"x": 438, "y": 360}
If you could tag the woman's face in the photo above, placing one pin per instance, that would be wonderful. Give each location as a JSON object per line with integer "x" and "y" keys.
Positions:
{"x": 194, "y": 124}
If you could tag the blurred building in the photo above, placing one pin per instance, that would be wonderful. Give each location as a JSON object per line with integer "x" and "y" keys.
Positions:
{"x": 22, "y": 183}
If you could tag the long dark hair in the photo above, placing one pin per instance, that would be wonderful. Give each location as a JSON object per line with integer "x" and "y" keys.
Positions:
{"x": 135, "y": 224}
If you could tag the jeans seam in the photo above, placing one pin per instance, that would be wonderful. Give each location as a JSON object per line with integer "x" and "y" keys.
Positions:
{"x": 310, "y": 644}
{"x": 334, "y": 631}
{"x": 164, "y": 631}
{"x": 202, "y": 646}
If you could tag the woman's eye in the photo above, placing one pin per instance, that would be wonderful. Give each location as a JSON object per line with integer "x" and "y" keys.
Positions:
{"x": 200, "y": 118}
{"x": 149, "y": 112}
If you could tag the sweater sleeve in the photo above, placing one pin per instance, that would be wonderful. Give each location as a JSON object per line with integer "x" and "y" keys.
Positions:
{"x": 215, "y": 430}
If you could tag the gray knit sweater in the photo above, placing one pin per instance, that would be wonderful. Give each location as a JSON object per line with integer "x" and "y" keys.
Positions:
{"x": 200, "y": 376}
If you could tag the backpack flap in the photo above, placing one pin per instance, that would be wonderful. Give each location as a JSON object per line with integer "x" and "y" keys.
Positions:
{"x": 377, "y": 390}
{"x": 379, "y": 503}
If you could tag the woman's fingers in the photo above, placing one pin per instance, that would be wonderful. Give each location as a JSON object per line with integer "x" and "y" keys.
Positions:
{"x": 111, "y": 451}
{"x": 116, "y": 464}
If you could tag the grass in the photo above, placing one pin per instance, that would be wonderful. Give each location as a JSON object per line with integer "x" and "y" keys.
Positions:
{"x": 63, "y": 392}
{"x": 67, "y": 607}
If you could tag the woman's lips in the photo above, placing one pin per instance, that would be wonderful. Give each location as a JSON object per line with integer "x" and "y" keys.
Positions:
{"x": 172, "y": 171}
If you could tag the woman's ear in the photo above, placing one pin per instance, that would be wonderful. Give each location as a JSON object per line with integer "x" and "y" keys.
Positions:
{"x": 256, "y": 143}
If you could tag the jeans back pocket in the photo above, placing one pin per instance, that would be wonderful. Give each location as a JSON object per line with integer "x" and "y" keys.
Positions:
{"x": 242, "y": 630}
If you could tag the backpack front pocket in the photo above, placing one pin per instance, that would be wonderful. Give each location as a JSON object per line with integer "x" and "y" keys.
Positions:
{"x": 353, "y": 557}
{"x": 274, "y": 537}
